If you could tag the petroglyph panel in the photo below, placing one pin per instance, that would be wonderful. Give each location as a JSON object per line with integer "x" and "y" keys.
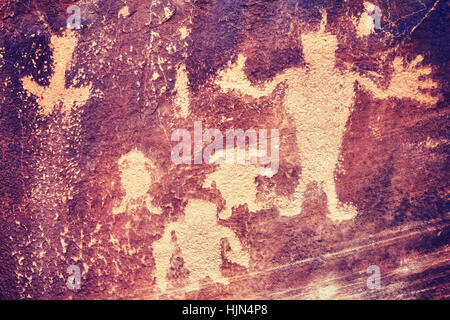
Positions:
{"x": 352, "y": 171}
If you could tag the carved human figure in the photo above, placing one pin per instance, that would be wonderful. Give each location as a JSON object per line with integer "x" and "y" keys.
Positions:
{"x": 199, "y": 236}
{"x": 136, "y": 178}
{"x": 319, "y": 99}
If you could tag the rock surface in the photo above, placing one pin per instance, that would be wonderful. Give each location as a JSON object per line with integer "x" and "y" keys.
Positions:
{"x": 87, "y": 177}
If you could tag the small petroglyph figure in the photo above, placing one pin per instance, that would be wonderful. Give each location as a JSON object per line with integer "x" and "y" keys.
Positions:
{"x": 48, "y": 97}
{"x": 136, "y": 178}
{"x": 319, "y": 99}
{"x": 236, "y": 182}
{"x": 199, "y": 237}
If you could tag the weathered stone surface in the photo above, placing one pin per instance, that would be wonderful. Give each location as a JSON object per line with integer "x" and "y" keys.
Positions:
{"x": 87, "y": 177}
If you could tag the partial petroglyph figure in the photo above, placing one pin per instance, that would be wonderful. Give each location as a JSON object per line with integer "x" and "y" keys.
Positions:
{"x": 56, "y": 166}
{"x": 236, "y": 183}
{"x": 409, "y": 80}
{"x": 182, "y": 89}
{"x": 320, "y": 99}
{"x": 199, "y": 236}
{"x": 136, "y": 178}
{"x": 47, "y": 97}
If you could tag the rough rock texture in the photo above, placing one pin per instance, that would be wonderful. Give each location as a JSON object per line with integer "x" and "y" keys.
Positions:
{"x": 86, "y": 175}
